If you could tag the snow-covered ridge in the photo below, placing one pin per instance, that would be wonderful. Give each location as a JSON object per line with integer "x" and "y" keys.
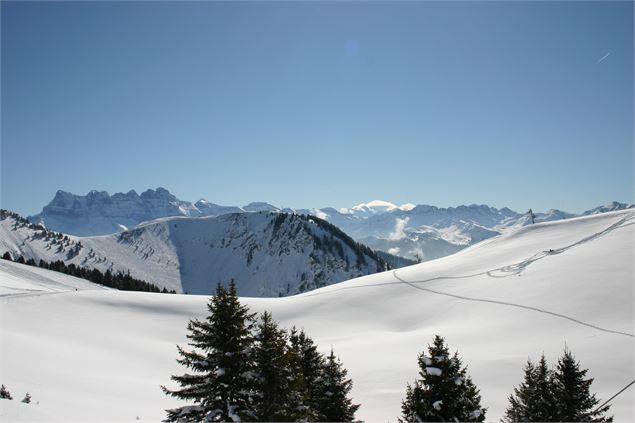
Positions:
{"x": 531, "y": 291}
{"x": 98, "y": 213}
{"x": 267, "y": 254}
{"x": 421, "y": 232}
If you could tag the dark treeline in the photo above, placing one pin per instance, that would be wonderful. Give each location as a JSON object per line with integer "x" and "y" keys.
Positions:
{"x": 119, "y": 280}
{"x": 21, "y": 222}
{"x": 360, "y": 250}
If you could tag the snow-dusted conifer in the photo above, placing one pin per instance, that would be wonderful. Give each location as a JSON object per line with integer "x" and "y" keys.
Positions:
{"x": 572, "y": 393}
{"x": 4, "y": 393}
{"x": 444, "y": 390}
{"x": 221, "y": 387}
{"x": 278, "y": 397}
{"x": 310, "y": 363}
{"x": 27, "y": 398}
{"x": 533, "y": 400}
{"x": 299, "y": 406}
{"x": 334, "y": 399}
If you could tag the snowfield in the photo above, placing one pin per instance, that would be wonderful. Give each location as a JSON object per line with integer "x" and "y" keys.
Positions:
{"x": 86, "y": 353}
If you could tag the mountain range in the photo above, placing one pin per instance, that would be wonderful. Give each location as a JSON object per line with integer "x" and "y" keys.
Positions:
{"x": 267, "y": 254}
{"x": 419, "y": 232}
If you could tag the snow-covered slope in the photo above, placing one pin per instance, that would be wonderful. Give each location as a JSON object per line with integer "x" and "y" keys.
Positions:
{"x": 267, "y": 254}
{"x": 101, "y": 355}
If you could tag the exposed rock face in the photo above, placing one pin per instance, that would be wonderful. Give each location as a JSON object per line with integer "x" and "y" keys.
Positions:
{"x": 99, "y": 213}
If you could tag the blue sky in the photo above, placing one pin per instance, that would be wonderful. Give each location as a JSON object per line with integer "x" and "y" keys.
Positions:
{"x": 320, "y": 104}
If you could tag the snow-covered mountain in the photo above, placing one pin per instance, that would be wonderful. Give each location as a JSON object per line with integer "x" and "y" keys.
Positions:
{"x": 99, "y": 213}
{"x": 612, "y": 206}
{"x": 267, "y": 254}
{"x": 205, "y": 208}
{"x": 420, "y": 232}
{"x": 531, "y": 291}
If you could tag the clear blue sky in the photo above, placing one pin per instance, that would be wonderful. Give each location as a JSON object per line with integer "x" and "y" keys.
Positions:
{"x": 521, "y": 104}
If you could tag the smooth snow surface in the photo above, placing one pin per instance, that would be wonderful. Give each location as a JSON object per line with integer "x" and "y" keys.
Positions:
{"x": 96, "y": 354}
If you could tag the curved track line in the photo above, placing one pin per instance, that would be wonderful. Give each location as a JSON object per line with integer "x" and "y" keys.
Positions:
{"x": 18, "y": 295}
{"x": 509, "y": 270}
{"x": 505, "y": 303}
{"x": 506, "y": 271}
{"x": 517, "y": 268}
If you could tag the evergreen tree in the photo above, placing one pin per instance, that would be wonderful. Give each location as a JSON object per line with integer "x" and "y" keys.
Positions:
{"x": 299, "y": 405}
{"x": 278, "y": 397}
{"x": 222, "y": 386}
{"x": 27, "y": 398}
{"x": 4, "y": 393}
{"x": 444, "y": 392}
{"x": 517, "y": 411}
{"x": 571, "y": 392}
{"x": 334, "y": 402}
{"x": 310, "y": 363}
{"x": 6, "y": 256}
{"x": 533, "y": 400}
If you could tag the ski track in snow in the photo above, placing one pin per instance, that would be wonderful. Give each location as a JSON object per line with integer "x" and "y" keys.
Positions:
{"x": 38, "y": 293}
{"x": 485, "y": 300}
{"x": 507, "y": 271}
{"x": 517, "y": 268}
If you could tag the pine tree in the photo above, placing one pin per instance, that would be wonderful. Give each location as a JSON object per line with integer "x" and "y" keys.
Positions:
{"x": 278, "y": 397}
{"x": 298, "y": 399}
{"x": 4, "y": 393}
{"x": 444, "y": 392}
{"x": 334, "y": 402}
{"x": 310, "y": 363}
{"x": 533, "y": 400}
{"x": 222, "y": 386}
{"x": 517, "y": 411}
{"x": 27, "y": 398}
{"x": 571, "y": 392}
{"x": 6, "y": 256}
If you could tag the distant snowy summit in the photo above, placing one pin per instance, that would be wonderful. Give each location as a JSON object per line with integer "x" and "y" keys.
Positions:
{"x": 98, "y": 213}
{"x": 375, "y": 207}
{"x": 612, "y": 206}
{"x": 420, "y": 232}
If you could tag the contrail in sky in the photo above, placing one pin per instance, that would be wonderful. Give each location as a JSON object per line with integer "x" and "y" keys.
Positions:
{"x": 604, "y": 57}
